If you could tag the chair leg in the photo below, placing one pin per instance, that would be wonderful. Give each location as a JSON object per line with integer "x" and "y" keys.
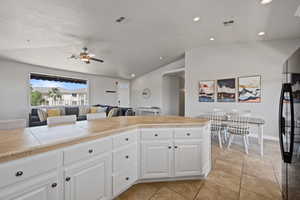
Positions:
{"x": 220, "y": 139}
{"x": 247, "y": 137}
{"x": 245, "y": 144}
{"x": 230, "y": 141}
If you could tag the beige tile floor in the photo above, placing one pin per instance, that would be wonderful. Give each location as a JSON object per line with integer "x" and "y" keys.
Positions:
{"x": 235, "y": 176}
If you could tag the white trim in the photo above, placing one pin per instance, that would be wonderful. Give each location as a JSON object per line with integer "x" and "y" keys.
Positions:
{"x": 174, "y": 71}
{"x": 266, "y": 137}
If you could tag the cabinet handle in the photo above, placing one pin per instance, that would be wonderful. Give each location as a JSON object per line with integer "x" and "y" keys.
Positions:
{"x": 19, "y": 173}
{"x": 91, "y": 150}
{"x": 169, "y": 147}
{"x": 126, "y": 157}
{"x": 155, "y": 135}
{"x": 188, "y": 134}
{"x": 127, "y": 178}
{"x": 126, "y": 139}
{"x": 54, "y": 185}
{"x": 68, "y": 179}
{"x": 175, "y": 147}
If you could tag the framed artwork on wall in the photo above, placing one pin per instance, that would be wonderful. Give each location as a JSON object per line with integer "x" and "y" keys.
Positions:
{"x": 206, "y": 91}
{"x": 226, "y": 90}
{"x": 249, "y": 89}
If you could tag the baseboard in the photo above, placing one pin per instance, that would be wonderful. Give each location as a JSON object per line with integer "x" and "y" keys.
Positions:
{"x": 266, "y": 137}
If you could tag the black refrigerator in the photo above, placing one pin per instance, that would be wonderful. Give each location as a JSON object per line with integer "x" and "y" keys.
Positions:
{"x": 289, "y": 128}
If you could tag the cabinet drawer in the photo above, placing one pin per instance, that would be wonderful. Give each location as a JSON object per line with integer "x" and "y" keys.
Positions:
{"x": 125, "y": 138}
{"x": 22, "y": 169}
{"x": 125, "y": 158}
{"x": 186, "y": 133}
{"x": 156, "y": 134}
{"x": 87, "y": 150}
{"x": 123, "y": 180}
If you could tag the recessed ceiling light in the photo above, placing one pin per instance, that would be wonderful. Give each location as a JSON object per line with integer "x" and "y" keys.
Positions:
{"x": 211, "y": 39}
{"x": 160, "y": 58}
{"x": 261, "y": 33}
{"x": 265, "y": 1}
{"x": 196, "y": 19}
{"x": 132, "y": 75}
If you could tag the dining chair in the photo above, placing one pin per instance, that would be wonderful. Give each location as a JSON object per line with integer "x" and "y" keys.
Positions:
{"x": 217, "y": 126}
{"x": 94, "y": 116}
{"x": 12, "y": 124}
{"x": 66, "y": 119}
{"x": 239, "y": 126}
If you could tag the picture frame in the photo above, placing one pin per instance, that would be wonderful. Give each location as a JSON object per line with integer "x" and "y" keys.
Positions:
{"x": 249, "y": 89}
{"x": 206, "y": 91}
{"x": 226, "y": 90}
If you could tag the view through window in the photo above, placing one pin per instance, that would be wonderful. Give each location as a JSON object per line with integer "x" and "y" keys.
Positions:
{"x": 49, "y": 90}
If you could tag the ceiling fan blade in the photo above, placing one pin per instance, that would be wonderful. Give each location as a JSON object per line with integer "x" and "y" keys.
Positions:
{"x": 98, "y": 60}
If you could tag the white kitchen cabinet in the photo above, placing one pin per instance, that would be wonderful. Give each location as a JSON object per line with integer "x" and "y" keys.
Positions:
{"x": 188, "y": 159}
{"x": 44, "y": 187}
{"x": 156, "y": 161}
{"x": 89, "y": 180}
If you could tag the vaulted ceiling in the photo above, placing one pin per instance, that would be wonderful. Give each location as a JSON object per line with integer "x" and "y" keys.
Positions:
{"x": 47, "y": 32}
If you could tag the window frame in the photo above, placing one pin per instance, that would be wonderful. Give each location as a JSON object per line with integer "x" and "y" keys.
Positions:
{"x": 62, "y": 76}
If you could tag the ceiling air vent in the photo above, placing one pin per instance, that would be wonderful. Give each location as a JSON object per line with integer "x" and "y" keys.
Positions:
{"x": 228, "y": 22}
{"x": 297, "y": 14}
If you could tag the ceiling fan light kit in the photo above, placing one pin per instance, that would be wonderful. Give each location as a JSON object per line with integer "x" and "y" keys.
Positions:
{"x": 85, "y": 56}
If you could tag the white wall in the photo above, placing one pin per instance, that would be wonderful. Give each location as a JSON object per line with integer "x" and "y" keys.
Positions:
{"x": 153, "y": 81}
{"x": 15, "y": 88}
{"x": 243, "y": 59}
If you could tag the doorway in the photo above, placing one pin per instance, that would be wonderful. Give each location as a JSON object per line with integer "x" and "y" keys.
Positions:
{"x": 173, "y": 93}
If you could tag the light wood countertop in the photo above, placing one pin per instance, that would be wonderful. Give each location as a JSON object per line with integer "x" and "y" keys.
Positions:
{"x": 19, "y": 143}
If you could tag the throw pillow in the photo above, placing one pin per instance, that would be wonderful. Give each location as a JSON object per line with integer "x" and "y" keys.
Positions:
{"x": 42, "y": 114}
{"x": 53, "y": 112}
{"x": 94, "y": 109}
{"x": 83, "y": 110}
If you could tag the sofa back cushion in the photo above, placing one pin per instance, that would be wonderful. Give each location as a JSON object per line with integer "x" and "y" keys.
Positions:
{"x": 72, "y": 111}
{"x": 34, "y": 112}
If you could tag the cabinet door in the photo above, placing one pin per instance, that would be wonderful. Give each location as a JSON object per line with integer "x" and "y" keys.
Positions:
{"x": 41, "y": 188}
{"x": 90, "y": 180}
{"x": 156, "y": 159}
{"x": 188, "y": 158}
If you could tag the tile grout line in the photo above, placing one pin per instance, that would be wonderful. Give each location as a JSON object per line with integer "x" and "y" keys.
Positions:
{"x": 241, "y": 178}
{"x": 154, "y": 194}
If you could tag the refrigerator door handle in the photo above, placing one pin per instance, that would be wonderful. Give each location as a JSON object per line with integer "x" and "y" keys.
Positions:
{"x": 286, "y": 155}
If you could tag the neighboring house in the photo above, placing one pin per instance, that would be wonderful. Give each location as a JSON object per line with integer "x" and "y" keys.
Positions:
{"x": 62, "y": 96}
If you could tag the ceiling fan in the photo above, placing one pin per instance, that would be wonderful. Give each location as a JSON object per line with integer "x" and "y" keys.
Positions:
{"x": 85, "y": 56}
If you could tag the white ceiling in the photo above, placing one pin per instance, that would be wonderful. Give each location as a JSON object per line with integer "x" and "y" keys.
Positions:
{"x": 46, "y": 32}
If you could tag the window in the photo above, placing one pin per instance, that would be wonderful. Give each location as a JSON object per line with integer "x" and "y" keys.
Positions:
{"x": 47, "y": 90}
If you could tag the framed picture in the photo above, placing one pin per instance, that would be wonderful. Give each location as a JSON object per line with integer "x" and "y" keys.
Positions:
{"x": 226, "y": 90}
{"x": 249, "y": 89}
{"x": 206, "y": 91}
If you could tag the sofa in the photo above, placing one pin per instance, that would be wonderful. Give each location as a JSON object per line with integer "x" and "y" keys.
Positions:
{"x": 34, "y": 119}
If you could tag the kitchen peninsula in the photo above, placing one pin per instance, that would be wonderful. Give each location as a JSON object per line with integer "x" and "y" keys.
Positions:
{"x": 102, "y": 158}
